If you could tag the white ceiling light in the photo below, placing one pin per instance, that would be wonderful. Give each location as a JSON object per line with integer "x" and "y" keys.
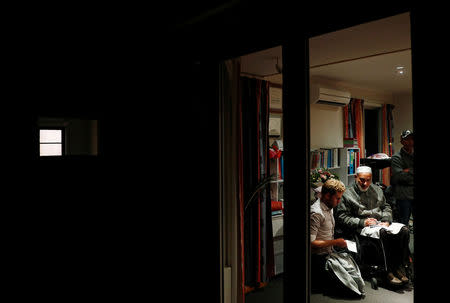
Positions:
{"x": 400, "y": 70}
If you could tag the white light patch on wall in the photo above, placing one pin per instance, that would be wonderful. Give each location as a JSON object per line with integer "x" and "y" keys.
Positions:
{"x": 50, "y": 142}
{"x": 51, "y": 150}
{"x": 49, "y": 135}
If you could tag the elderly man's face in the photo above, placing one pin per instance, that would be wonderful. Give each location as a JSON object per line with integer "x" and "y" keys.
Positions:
{"x": 364, "y": 180}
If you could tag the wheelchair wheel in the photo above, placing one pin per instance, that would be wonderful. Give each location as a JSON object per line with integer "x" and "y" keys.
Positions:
{"x": 374, "y": 283}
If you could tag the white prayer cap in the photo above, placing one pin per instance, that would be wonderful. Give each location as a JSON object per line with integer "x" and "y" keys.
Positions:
{"x": 363, "y": 169}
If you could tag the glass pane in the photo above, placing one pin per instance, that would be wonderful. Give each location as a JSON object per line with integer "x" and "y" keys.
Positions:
{"x": 51, "y": 150}
{"x": 50, "y": 135}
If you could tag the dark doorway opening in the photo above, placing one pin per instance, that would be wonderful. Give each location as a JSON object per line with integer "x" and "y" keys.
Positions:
{"x": 372, "y": 136}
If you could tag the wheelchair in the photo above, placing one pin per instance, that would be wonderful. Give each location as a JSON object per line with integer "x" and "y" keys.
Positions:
{"x": 370, "y": 257}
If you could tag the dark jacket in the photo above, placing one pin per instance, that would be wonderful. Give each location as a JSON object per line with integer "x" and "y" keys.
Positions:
{"x": 402, "y": 182}
{"x": 356, "y": 206}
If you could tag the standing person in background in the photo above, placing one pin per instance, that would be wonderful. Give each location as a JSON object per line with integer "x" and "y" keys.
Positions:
{"x": 402, "y": 180}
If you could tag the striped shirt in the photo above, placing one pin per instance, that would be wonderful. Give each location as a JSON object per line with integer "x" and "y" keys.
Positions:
{"x": 321, "y": 226}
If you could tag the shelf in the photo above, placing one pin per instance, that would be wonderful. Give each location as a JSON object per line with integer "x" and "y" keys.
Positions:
{"x": 277, "y": 181}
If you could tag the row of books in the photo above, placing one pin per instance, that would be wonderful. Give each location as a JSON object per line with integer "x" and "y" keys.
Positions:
{"x": 327, "y": 158}
{"x": 277, "y": 212}
{"x": 350, "y": 142}
{"x": 277, "y": 208}
{"x": 352, "y": 160}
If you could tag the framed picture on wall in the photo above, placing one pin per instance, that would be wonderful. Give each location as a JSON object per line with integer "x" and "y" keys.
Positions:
{"x": 276, "y": 98}
{"x": 275, "y": 126}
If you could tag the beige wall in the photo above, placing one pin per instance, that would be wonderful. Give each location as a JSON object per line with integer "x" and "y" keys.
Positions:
{"x": 402, "y": 115}
{"x": 327, "y": 126}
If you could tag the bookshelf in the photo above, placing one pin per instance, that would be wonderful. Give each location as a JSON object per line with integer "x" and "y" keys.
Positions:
{"x": 276, "y": 165}
{"x": 342, "y": 161}
{"x": 352, "y": 157}
{"x": 277, "y": 169}
{"x": 329, "y": 158}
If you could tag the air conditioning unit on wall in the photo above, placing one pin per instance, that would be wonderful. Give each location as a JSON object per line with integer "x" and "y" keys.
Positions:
{"x": 321, "y": 95}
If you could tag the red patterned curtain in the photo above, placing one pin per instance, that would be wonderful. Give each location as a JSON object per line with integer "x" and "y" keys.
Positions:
{"x": 256, "y": 216}
{"x": 354, "y": 123}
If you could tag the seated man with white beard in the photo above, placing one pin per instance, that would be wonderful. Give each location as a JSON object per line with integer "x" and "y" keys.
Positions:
{"x": 364, "y": 209}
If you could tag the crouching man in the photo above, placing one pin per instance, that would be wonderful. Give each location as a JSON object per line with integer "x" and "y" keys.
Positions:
{"x": 331, "y": 270}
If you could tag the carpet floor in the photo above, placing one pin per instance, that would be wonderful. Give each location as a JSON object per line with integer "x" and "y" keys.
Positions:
{"x": 273, "y": 292}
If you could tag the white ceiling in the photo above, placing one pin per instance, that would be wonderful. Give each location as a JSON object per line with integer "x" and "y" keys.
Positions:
{"x": 365, "y": 55}
{"x": 262, "y": 63}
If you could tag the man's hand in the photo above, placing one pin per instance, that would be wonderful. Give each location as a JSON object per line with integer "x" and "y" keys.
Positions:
{"x": 370, "y": 221}
{"x": 384, "y": 224}
{"x": 340, "y": 242}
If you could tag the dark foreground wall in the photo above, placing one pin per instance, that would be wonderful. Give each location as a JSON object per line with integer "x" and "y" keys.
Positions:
{"x": 106, "y": 226}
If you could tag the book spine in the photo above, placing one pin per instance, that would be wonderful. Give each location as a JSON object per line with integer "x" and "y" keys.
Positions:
{"x": 329, "y": 158}
{"x": 277, "y": 212}
{"x": 351, "y": 159}
{"x": 279, "y": 168}
{"x": 336, "y": 157}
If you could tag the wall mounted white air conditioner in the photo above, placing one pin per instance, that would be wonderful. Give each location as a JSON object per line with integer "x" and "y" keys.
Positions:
{"x": 320, "y": 95}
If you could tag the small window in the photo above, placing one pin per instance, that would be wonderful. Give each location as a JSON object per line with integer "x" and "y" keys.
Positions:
{"x": 50, "y": 142}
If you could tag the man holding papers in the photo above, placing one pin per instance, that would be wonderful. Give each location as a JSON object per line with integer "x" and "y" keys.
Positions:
{"x": 328, "y": 267}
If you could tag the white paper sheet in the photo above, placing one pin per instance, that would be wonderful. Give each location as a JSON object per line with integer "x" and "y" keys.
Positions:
{"x": 373, "y": 231}
{"x": 351, "y": 246}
